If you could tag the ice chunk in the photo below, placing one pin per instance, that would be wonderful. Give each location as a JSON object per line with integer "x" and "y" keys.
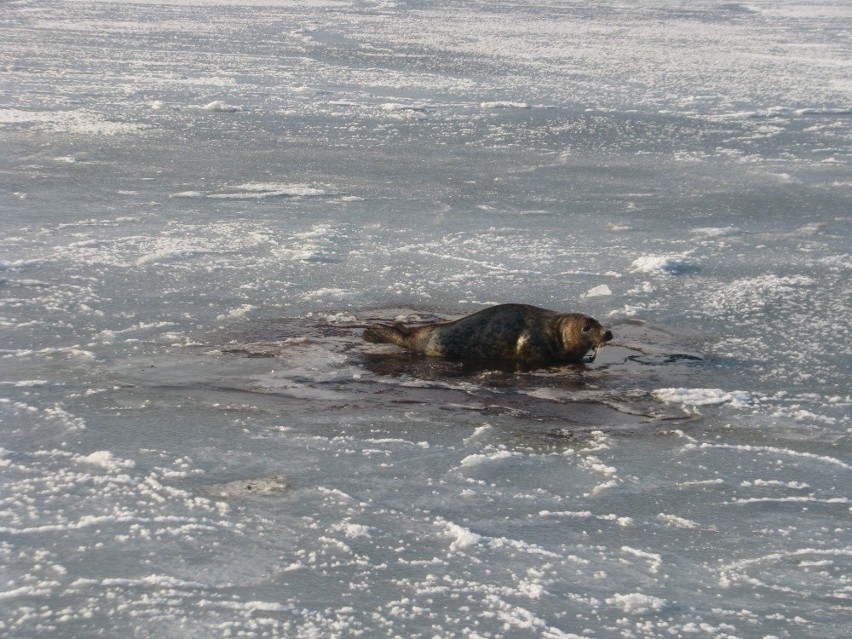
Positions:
{"x": 598, "y": 291}
{"x": 671, "y": 264}
{"x": 703, "y": 396}
{"x": 107, "y": 461}
{"x": 218, "y": 105}
{"x": 636, "y": 603}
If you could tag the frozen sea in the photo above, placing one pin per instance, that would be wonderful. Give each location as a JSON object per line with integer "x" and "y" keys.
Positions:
{"x": 202, "y": 204}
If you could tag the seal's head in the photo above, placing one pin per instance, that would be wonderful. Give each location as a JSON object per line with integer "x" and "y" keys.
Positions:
{"x": 581, "y": 334}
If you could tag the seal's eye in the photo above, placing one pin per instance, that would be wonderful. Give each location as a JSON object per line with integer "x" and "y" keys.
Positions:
{"x": 587, "y": 328}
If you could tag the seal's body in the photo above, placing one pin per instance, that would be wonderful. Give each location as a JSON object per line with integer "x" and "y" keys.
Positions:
{"x": 518, "y": 333}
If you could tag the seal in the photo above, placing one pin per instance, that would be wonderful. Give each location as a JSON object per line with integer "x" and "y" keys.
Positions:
{"x": 519, "y": 333}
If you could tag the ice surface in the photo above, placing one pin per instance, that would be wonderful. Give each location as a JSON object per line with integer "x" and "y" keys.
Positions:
{"x": 204, "y": 201}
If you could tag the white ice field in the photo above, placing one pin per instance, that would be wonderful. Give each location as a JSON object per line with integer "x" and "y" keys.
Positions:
{"x": 202, "y": 202}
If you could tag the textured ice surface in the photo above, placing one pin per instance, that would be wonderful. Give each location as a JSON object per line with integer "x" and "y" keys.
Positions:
{"x": 202, "y": 201}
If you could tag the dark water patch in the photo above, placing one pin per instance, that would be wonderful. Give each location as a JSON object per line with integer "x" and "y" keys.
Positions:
{"x": 322, "y": 363}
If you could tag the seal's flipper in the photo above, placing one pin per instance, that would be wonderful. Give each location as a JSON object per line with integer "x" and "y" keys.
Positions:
{"x": 384, "y": 334}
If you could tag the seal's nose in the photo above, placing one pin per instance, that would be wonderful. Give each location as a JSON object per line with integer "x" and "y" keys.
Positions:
{"x": 607, "y": 337}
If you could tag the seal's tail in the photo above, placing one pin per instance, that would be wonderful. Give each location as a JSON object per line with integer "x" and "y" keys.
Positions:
{"x": 385, "y": 334}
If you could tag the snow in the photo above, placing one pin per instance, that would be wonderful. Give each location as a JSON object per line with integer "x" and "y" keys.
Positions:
{"x": 218, "y": 105}
{"x": 636, "y": 603}
{"x": 598, "y": 291}
{"x": 106, "y": 460}
{"x": 670, "y": 264}
{"x": 703, "y": 396}
{"x": 204, "y": 202}
{"x": 504, "y": 105}
{"x": 475, "y": 460}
